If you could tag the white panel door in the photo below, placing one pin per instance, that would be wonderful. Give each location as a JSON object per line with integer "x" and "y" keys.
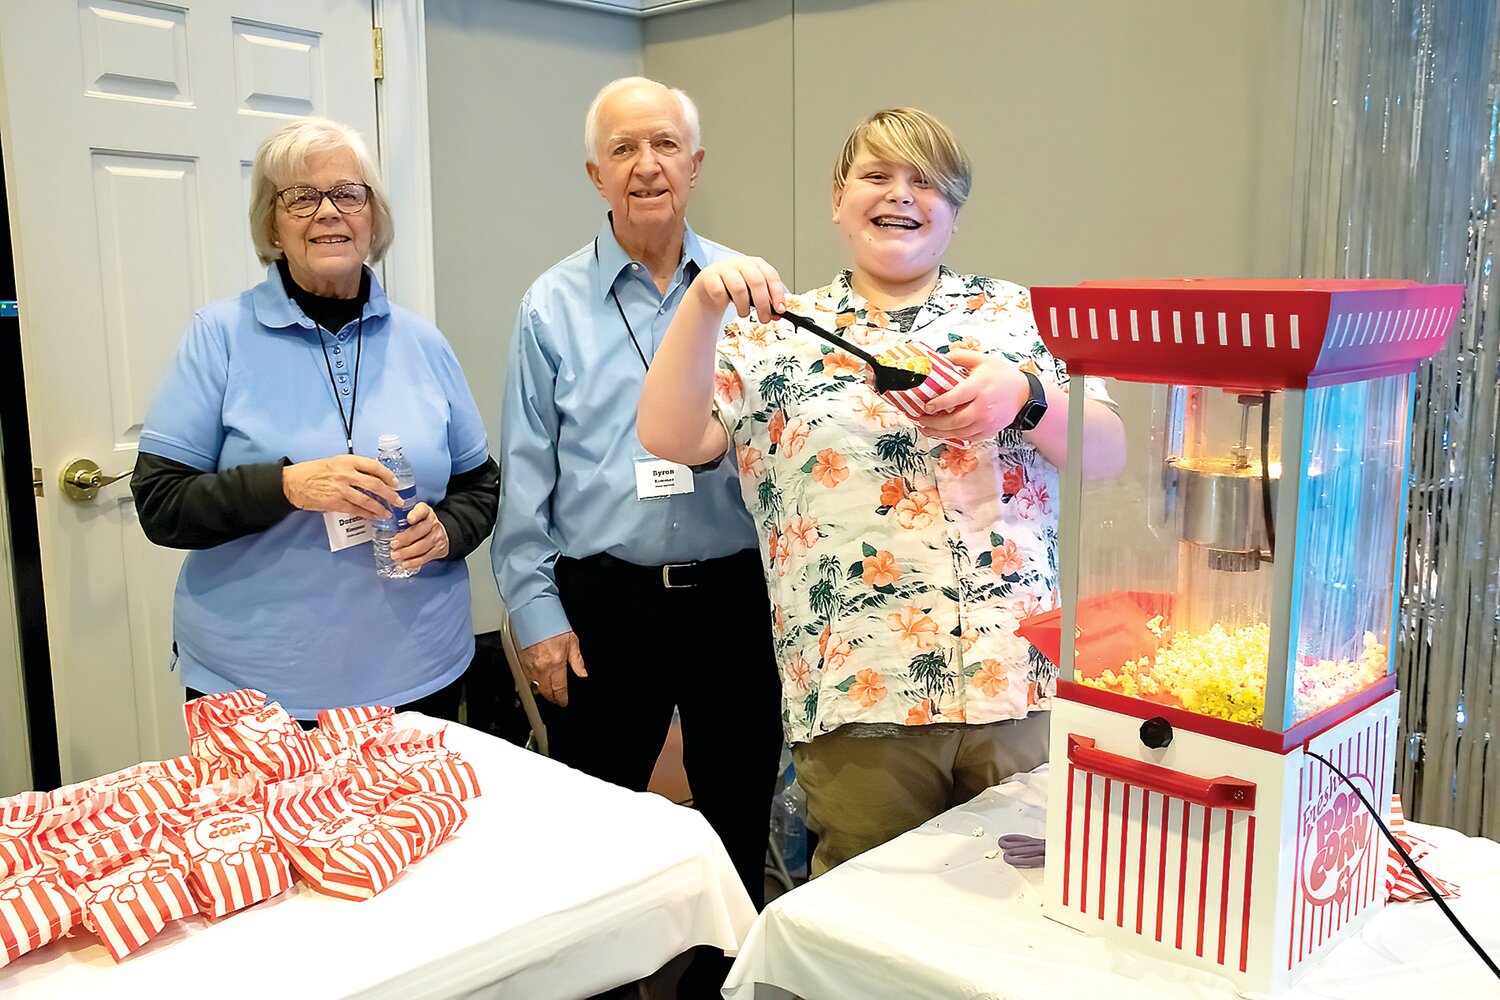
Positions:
{"x": 128, "y": 131}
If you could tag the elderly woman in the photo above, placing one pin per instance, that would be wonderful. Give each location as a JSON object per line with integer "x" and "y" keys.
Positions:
{"x": 899, "y": 561}
{"x": 255, "y": 454}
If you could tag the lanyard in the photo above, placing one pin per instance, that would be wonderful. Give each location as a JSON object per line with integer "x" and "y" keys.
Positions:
{"x": 359, "y": 338}
{"x": 621, "y": 310}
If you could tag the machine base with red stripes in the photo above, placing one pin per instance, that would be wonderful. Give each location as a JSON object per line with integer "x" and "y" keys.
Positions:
{"x": 1244, "y": 861}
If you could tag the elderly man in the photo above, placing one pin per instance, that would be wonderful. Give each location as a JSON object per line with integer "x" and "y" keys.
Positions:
{"x": 634, "y": 585}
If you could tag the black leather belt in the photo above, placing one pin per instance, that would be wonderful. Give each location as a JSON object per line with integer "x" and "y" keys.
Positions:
{"x": 673, "y": 576}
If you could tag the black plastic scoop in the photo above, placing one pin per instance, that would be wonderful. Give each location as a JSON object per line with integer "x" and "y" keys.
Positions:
{"x": 888, "y": 378}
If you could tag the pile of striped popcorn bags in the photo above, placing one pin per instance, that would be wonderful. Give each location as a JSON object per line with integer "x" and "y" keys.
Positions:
{"x": 256, "y": 802}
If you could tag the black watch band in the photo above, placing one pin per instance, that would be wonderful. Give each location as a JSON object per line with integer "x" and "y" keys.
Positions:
{"x": 1031, "y": 412}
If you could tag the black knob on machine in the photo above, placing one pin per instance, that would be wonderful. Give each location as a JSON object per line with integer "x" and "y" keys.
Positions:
{"x": 1156, "y": 733}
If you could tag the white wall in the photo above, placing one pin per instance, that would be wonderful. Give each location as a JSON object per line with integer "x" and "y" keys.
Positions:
{"x": 508, "y": 84}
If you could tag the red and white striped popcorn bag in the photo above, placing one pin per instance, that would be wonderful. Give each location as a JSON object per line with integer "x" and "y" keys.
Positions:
{"x": 430, "y": 817}
{"x": 422, "y": 763}
{"x": 37, "y": 907}
{"x": 130, "y": 895}
{"x": 341, "y": 851}
{"x": 1400, "y": 884}
{"x": 234, "y": 860}
{"x": 239, "y": 730}
{"x": 341, "y": 731}
{"x": 145, "y": 788}
{"x": 19, "y": 815}
{"x": 89, "y": 813}
{"x": 944, "y": 375}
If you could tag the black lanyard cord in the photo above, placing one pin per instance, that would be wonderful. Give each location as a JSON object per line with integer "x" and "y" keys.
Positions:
{"x": 621, "y": 310}
{"x": 359, "y": 339}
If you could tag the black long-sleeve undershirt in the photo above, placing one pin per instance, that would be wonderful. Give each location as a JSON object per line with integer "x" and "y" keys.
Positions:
{"x": 181, "y": 507}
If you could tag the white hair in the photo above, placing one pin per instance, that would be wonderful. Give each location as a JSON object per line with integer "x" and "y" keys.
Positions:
{"x": 283, "y": 154}
{"x": 591, "y": 135}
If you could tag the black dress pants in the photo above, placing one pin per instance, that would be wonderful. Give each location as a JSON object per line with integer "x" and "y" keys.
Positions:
{"x": 698, "y": 639}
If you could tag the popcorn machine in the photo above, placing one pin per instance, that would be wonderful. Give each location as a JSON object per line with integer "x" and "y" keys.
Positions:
{"x": 1230, "y": 598}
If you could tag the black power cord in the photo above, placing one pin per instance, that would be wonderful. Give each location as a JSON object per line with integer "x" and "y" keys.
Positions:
{"x": 1407, "y": 859}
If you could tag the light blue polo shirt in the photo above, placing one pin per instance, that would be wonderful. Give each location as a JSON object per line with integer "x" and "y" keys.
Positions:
{"x": 276, "y": 610}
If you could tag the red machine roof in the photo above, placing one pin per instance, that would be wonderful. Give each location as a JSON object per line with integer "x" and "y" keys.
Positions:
{"x": 1245, "y": 333}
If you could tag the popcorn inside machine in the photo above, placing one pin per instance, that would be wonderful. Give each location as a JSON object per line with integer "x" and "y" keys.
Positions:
{"x": 1231, "y": 598}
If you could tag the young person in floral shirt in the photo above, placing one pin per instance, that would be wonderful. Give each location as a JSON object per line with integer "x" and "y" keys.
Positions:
{"x": 898, "y": 562}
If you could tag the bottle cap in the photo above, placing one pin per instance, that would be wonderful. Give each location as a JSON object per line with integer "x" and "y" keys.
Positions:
{"x": 390, "y": 442}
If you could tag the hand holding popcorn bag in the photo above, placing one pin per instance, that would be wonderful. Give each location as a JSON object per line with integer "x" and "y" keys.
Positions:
{"x": 132, "y": 890}
{"x": 238, "y": 730}
{"x": 941, "y": 373}
{"x": 234, "y": 860}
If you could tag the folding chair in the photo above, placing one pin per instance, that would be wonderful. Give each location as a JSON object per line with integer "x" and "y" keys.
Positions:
{"x": 538, "y": 740}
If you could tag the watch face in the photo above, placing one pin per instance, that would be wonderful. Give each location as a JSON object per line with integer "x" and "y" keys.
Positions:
{"x": 1033, "y": 409}
{"x": 1031, "y": 414}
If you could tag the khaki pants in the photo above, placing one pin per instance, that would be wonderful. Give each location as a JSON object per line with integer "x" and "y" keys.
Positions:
{"x": 865, "y": 790}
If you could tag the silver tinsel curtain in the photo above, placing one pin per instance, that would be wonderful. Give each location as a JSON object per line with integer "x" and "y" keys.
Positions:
{"x": 1400, "y": 106}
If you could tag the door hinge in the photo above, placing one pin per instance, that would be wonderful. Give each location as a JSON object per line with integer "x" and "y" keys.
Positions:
{"x": 378, "y": 37}
{"x": 37, "y": 483}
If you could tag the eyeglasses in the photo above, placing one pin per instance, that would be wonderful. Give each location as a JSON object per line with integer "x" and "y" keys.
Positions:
{"x": 301, "y": 200}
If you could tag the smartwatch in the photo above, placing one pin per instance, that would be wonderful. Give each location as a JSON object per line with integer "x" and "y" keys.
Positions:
{"x": 1031, "y": 412}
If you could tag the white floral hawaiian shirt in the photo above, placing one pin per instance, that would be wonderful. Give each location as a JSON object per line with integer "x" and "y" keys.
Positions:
{"x": 898, "y": 565}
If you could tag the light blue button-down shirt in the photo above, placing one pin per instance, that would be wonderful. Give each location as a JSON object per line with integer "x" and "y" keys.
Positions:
{"x": 567, "y": 436}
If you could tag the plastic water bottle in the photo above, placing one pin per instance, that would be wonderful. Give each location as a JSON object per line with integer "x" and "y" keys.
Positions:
{"x": 789, "y": 826}
{"x": 388, "y": 528}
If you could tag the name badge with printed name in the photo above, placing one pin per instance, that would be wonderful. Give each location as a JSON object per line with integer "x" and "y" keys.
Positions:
{"x": 345, "y": 530}
{"x": 656, "y": 478}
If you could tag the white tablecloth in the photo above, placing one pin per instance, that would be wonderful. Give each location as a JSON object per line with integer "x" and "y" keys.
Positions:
{"x": 558, "y": 886}
{"x": 929, "y": 917}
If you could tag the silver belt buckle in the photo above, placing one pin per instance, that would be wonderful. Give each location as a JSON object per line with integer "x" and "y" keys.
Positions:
{"x": 666, "y": 577}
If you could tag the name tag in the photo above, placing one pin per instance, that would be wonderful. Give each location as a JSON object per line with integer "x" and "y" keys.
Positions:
{"x": 655, "y": 478}
{"x": 345, "y": 530}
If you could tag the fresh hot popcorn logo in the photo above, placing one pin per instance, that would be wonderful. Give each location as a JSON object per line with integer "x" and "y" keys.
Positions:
{"x": 1337, "y": 834}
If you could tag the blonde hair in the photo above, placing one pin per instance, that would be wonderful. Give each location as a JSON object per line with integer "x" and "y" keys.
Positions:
{"x": 284, "y": 153}
{"x": 591, "y": 134}
{"x": 914, "y": 138}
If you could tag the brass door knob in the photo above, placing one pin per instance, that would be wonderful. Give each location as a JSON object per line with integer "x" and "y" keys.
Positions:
{"x": 82, "y": 480}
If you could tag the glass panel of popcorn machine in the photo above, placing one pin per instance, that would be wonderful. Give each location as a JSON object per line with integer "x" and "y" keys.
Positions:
{"x": 1349, "y": 518}
{"x": 1174, "y": 561}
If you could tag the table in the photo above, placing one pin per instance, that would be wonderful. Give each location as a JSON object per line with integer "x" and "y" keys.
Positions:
{"x": 929, "y": 917}
{"x": 558, "y": 886}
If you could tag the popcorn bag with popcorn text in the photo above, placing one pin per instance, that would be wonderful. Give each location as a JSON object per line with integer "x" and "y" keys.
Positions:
{"x": 234, "y": 859}
{"x": 132, "y": 890}
{"x": 341, "y": 851}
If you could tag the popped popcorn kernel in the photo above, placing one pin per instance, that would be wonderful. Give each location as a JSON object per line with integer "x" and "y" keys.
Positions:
{"x": 1222, "y": 673}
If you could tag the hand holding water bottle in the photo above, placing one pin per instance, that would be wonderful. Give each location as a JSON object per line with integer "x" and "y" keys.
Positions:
{"x": 425, "y": 539}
